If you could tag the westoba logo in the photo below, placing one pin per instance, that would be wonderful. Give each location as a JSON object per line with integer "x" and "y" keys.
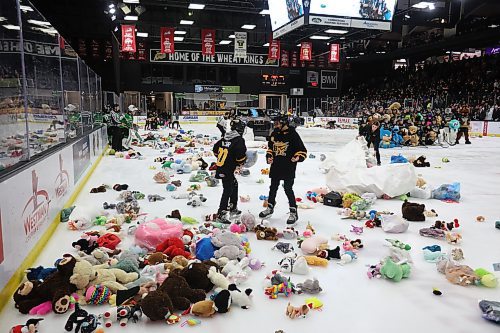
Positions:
{"x": 36, "y": 210}
{"x": 62, "y": 180}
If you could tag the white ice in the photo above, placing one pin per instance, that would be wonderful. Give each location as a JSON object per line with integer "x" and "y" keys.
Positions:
{"x": 352, "y": 302}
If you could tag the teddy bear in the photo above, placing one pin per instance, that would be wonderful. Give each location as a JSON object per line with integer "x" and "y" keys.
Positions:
{"x": 237, "y": 271}
{"x": 180, "y": 293}
{"x": 157, "y": 305}
{"x": 413, "y": 211}
{"x": 266, "y": 233}
{"x": 421, "y": 162}
{"x": 56, "y": 288}
{"x": 414, "y": 139}
{"x": 97, "y": 257}
{"x": 196, "y": 275}
{"x": 84, "y": 275}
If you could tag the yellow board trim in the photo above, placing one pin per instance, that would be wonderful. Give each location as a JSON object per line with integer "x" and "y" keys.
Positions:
{"x": 16, "y": 279}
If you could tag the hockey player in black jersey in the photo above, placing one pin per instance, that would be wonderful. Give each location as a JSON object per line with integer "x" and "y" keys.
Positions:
{"x": 285, "y": 150}
{"x": 231, "y": 153}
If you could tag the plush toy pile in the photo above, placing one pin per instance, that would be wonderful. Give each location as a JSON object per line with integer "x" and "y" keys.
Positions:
{"x": 125, "y": 266}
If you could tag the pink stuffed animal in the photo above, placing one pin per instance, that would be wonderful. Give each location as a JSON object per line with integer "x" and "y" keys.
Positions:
{"x": 150, "y": 234}
{"x": 238, "y": 228}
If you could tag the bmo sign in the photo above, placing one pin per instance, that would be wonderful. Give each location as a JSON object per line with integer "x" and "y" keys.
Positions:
{"x": 329, "y": 79}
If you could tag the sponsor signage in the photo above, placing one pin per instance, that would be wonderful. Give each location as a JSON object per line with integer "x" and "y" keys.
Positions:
{"x": 219, "y": 58}
{"x": 81, "y": 157}
{"x": 331, "y": 21}
{"x": 329, "y": 79}
{"x": 366, "y": 24}
{"x": 289, "y": 27}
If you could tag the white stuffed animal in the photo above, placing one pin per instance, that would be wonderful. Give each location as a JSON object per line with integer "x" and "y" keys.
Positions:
{"x": 218, "y": 279}
{"x": 240, "y": 298}
{"x": 237, "y": 272}
{"x": 297, "y": 265}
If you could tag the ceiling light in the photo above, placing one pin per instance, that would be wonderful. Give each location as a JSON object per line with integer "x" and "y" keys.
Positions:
{"x": 299, "y": 45}
{"x": 407, "y": 16}
{"x": 26, "y": 8}
{"x": 140, "y": 9}
{"x": 111, "y": 5}
{"x": 116, "y": 28}
{"x": 125, "y": 9}
{"x": 142, "y": 34}
{"x": 11, "y": 27}
{"x": 319, "y": 37}
{"x": 180, "y": 32}
{"x": 335, "y": 31}
{"x": 230, "y": 36}
{"x": 186, "y": 22}
{"x": 361, "y": 53}
{"x": 342, "y": 37}
{"x": 493, "y": 26}
{"x": 112, "y": 10}
{"x": 225, "y": 42}
{"x": 2, "y": 19}
{"x": 267, "y": 44}
{"x": 424, "y": 4}
{"x": 248, "y": 26}
{"x": 264, "y": 12}
{"x": 131, "y": 1}
{"x": 131, "y": 18}
{"x": 113, "y": 17}
{"x": 178, "y": 39}
{"x": 37, "y": 22}
{"x": 196, "y": 6}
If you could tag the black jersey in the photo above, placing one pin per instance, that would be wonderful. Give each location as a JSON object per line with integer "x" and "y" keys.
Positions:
{"x": 230, "y": 152}
{"x": 284, "y": 145}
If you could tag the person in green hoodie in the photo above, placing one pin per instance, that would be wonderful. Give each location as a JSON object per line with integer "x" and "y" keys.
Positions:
{"x": 126, "y": 122}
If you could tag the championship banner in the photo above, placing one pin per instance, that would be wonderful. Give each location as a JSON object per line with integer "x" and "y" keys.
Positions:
{"x": 306, "y": 51}
{"x": 141, "y": 51}
{"x": 294, "y": 59}
{"x": 334, "y": 53}
{"x": 274, "y": 49}
{"x": 128, "y": 38}
{"x": 285, "y": 61}
{"x": 167, "y": 40}
{"x": 240, "y": 44}
{"x": 62, "y": 44}
{"x": 208, "y": 42}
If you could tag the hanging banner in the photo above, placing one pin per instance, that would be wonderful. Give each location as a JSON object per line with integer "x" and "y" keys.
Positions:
{"x": 274, "y": 49}
{"x": 285, "y": 61}
{"x": 62, "y": 44}
{"x": 219, "y": 58}
{"x": 82, "y": 48}
{"x": 108, "y": 50}
{"x": 240, "y": 44}
{"x": 128, "y": 38}
{"x": 306, "y": 51}
{"x": 334, "y": 53}
{"x": 295, "y": 57}
{"x": 141, "y": 51}
{"x": 208, "y": 42}
{"x": 167, "y": 40}
{"x": 95, "y": 48}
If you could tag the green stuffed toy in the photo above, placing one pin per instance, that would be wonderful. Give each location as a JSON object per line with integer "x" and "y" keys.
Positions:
{"x": 111, "y": 152}
{"x": 360, "y": 205}
{"x": 65, "y": 213}
{"x": 487, "y": 278}
{"x": 189, "y": 220}
{"x": 167, "y": 164}
{"x": 100, "y": 220}
{"x": 393, "y": 271}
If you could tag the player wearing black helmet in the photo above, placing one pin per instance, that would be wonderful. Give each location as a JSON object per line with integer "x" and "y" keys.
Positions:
{"x": 231, "y": 153}
{"x": 285, "y": 150}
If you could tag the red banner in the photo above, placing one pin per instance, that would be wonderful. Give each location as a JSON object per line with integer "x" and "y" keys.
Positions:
{"x": 294, "y": 59}
{"x": 128, "y": 38}
{"x": 274, "y": 50}
{"x": 334, "y": 53}
{"x": 61, "y": 42}
{"x": 208, "y": 42}
{"x": 306, "y": 51}
{"x": 167, "y": 40}
{"x": 285, "y": 61}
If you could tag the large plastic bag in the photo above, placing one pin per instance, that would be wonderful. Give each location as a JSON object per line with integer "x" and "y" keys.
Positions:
{"x": 251, "y": 158}
{"x": 421, "y": 193}
{"x": 447, "y": 192}
{"x": 394, "y": 224}
{"x": 347, "y": 171}
{"x": 150, "y": 234}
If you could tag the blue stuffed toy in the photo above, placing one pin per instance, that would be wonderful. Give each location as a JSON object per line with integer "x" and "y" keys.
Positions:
{"x": 385, "y": 138}
{"x": 397, "y": 139}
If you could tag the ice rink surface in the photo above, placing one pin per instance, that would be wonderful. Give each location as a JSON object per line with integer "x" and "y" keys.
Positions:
{"x": 352, "y": 302}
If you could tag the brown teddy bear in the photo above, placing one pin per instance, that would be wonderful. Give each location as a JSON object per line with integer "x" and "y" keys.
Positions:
{"x": 180, "y": 293}
{"x": 414, "y": 139}
{"x": 266, "y": 233}
{"x": 156, "y": 305}
{"x": 196, "y": 275}
{"x": 413, "y": 211}
{"x": 55, "y": 288}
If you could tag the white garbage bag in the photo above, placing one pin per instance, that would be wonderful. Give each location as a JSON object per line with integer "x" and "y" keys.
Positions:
{"x": 347, "y": 171}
